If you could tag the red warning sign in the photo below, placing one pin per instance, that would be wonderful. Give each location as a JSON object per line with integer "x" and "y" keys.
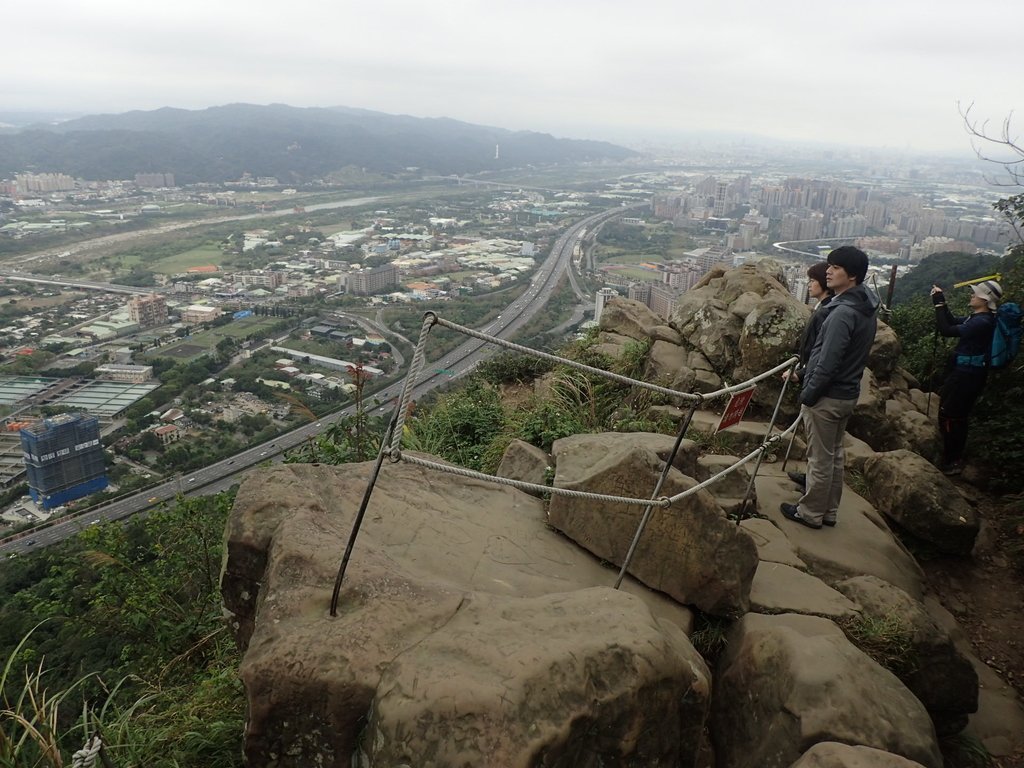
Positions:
{"x": 737, "y": 407}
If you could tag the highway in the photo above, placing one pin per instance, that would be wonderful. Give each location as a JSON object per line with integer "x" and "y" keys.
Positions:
{"x": 221, "y": 475}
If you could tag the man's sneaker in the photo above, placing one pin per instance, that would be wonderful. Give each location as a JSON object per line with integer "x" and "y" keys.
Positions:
{"x": 791, "y": 512}
{"x": 953, "y": 468}
{"x": 829, "y": 521}
{"x": 800, "y": 478}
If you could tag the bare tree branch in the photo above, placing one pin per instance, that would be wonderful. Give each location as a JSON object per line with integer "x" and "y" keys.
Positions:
{"x": 984, "y": 140}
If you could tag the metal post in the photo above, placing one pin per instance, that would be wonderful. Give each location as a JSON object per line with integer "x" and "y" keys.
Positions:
{"x": 764, "y": 445}
{"x": 384, "y": 450}
{"x": 684, "y": 425}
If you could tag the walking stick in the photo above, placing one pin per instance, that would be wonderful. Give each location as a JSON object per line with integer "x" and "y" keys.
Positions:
{"x": 931, "y": 373}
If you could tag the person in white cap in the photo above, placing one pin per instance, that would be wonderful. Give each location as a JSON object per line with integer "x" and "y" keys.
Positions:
{"x": 967, "y": 369}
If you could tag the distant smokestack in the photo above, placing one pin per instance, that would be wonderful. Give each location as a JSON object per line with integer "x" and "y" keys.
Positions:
{"x": 497, "y": 153}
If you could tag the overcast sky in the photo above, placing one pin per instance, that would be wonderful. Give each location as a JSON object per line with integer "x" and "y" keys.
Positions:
{"x": 870, "y": 72}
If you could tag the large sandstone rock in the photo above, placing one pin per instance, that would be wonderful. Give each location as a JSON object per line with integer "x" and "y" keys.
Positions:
{"x": 934, "y": 670}
{"x": 428, "y": 542}
{"x": 831, "y": 754}
{"x": 757, "y": 277}
{"x": 615, "y": 345}
{"x": 788, "y": 682}
{"x": 706, "y": 323}
{"x": 918, "y": 433}
{"x": 689, "y": 551}
{"x": 771, "y": 331}
{"x": 885, "y": 352}
{"x": 627, "y": 317}
{"x": 483, "y": 691}
{"x": 743, "y": 321}
{"x": 526, "y": 462}
{"x": 869, "y": 421}
{"x": 912, "y": 492}
{"x": 667, "y": 366}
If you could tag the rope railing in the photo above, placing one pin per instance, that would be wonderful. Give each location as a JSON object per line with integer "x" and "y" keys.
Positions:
{"x": 391, "y": 445}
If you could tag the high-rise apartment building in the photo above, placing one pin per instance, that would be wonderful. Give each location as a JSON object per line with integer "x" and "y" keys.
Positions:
{"x": 603, "y": 296}
{"x": 721, "y": 198}
{"x": 63, "y": 459}
{"x": 30, "y": 183}
{"x": 376, "y": 280}
{"x": 659, "y": 298}
{"x": 148, "y": 311}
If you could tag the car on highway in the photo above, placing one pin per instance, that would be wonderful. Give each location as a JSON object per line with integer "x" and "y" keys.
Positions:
{"x": 154, "y": 499}
{"x": 30, "y": 542}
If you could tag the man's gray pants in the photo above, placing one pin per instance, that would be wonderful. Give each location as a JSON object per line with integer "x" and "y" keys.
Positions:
{"x": 825, "y": 423}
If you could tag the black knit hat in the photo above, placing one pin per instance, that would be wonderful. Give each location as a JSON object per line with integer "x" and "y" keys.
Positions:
{"x": 853, "y": 261}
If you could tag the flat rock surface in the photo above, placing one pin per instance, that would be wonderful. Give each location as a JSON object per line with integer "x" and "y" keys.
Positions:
{"x": 860, "y": 544}
{"x": 780, "y": 588}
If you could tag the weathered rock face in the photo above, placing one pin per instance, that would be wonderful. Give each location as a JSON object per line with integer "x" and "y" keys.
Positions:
{"x": 909, "y": 490}
{"x": 935, "y": 671}
{"x": 667, "y": 366}
{"x": 885, "y": 352}
{"x": 690, "y": 551}
{"x": 627, "y": 317}
{"x": 743, "y": 321}
{"x": 770, "y": 332}
{"x": 706, "y": 323}
{"x": 483, "y": 691}
{"x": 615, "y": 345}
{"x": 788, "y": 682}
{"x": 831, "y": 754}
{"x": 428, "y": 543}
{"x": 522, "y": 461}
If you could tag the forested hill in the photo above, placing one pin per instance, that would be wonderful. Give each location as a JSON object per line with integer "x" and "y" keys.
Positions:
{"x": 293, "y": 144}
{"x": 945, "y": 269}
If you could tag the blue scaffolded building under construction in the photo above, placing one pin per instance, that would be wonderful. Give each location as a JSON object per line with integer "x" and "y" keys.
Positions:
{"x": 63, "y": 458}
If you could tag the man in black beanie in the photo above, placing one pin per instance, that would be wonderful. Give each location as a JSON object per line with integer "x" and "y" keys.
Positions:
{"x": 831, "y": 384}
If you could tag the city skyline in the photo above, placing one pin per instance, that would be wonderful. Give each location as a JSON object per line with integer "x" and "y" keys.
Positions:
{"x": 882, "y": 75}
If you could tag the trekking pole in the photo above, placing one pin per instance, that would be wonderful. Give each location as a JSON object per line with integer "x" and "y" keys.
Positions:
{"x": 976, "y": 280}
{"x": 931, "y": 373}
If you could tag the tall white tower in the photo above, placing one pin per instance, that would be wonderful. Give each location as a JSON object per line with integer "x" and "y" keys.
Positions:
{"x": 497, "y": 152}
{"x": 601, "y": 299}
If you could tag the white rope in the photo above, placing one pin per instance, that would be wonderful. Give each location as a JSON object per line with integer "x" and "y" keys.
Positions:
{"x": 431, "y": 319}
{"x": 523, "y": 485}
{"x": 86, "y": 756}
{"x": 768, "y": 442}
{"x": 414, "y": 371}
{"x": 663, "y": 502}
{"x": 690, "y": 396}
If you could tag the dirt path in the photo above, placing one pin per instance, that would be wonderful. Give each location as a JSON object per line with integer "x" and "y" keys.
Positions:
{"x": 985, "y": 592}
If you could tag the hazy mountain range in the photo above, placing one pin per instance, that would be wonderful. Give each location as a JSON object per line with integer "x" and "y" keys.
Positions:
{"x": 293, "y": 144}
